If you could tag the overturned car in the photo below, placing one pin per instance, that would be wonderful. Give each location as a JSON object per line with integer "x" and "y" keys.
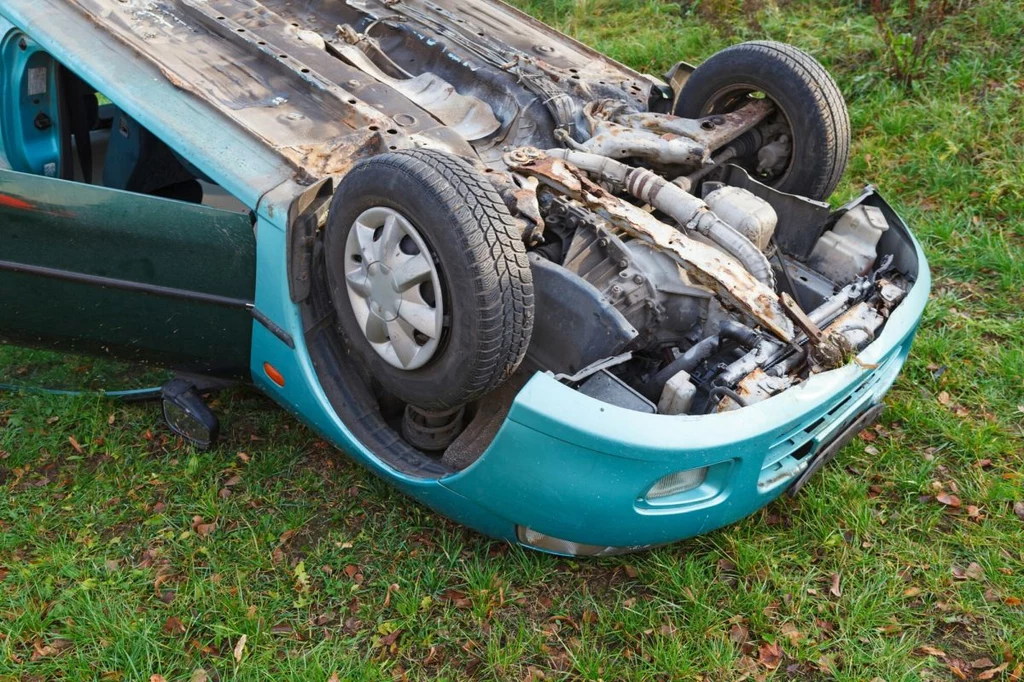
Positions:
{"x": 565, "y": 303}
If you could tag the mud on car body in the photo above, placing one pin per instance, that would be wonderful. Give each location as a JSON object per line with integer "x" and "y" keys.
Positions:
{"x": 568, "y": 304}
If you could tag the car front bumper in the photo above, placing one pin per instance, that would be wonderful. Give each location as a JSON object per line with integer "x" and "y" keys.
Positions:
{"x": 569, "y": 474}
{"x": 572, "y": 468}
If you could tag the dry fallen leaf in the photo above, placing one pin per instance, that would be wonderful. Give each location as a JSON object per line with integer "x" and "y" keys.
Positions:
{"x": 948, "y": 500}
{"x": 835, "y": 590}
{"x": 199, "y": 675}
{"x": 974, "y": 571}
{"x": 202, "y": 529}
{"x": 992, "y": 672}
{"x": 1018, "y": 509}
{"x": 75, "y": 445}
{"x": 240, "y": 648}
{"x": 957, "y": 668}
{"x": 932, "y": 651}
{"x": 157, "y": 678}
{"x": 333, "y": 678}
{"x": 174, "y": 626}
{"x": 791, "y": 633}
{"x": 944, "y": 398}
{"x": 738, "y": 633}
{"x": 770, "y": 655}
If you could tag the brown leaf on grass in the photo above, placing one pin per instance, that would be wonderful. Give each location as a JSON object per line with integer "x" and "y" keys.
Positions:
{"x": 982, "y": 663}
{"x": 223, "y": 493}
{"x": 948, "y": 500}
{"x": 834, "y": 589}
{"x": 287, "y": 535}
{"x": 157, "y": 678}
{"x": 956, "y": 666}
{"x": 944, "y": 398}
{"x": 458, "y": 599}
{"x": 738, "y": 633}
{"x": 992, "y": 672}
{"x": 240, "y": 648}
{"x": 333, "y": 678}
{"x": 770, "y": 655}
{"x": 174, "y": 626}
{"x": 1018, "y": 672}
{"x": 202, "y": 528}
{"x": 393, "y": 587}
{"x": 931, "y": 651}
{"x": 631, "y": 571}
{"x": 54, "y": 648}
{"x": 1018, "y": 509}
{"x": 277, "y": 556}
{"x": 974, "y": 571}
{"x": 911, "y": 591}
{"x": 75, "y": 445}
{"x": 390, "y": 638}
{"x": 973, "y": 512}
{"x": 199, "y": 675}
{"x": 868, "y": 436}
{"x": 791, "y": 633}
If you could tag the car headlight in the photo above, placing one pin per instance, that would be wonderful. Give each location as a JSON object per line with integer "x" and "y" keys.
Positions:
{"x": 548, "y": 543}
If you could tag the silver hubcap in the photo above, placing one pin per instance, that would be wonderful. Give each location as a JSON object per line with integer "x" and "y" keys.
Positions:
{"x": 394, "y": 288}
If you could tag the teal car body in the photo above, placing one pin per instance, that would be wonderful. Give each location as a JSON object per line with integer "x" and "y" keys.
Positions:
{"x": 565, "y": 472}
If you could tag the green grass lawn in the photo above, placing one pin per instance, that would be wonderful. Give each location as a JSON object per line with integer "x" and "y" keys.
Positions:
{"x": 126, "y": 555}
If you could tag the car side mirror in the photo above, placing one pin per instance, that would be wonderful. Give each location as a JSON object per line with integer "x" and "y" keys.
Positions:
{"x": 187, "y": 415}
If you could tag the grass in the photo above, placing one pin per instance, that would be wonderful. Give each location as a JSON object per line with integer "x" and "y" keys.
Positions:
{"x": 125, "y": 554}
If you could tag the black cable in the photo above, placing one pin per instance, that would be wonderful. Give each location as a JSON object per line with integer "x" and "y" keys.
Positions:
{"x": 720, "y": 392}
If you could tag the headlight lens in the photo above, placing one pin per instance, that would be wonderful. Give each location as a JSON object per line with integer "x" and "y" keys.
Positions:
{"x": 547, "y": 543}
{"x": 679, "y": 482}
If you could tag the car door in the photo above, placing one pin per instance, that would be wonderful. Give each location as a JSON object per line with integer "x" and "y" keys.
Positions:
{"x": 89, "y": 268}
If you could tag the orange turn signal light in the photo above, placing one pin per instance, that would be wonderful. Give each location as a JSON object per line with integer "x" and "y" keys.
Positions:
{"x": 273, "y": 374}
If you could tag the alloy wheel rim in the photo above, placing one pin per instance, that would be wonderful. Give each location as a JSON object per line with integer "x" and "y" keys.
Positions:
{"x": 394, "y": 288}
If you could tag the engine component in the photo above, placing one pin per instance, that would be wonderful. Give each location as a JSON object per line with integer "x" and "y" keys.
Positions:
{"x": 850, "y": 249}
{"x": 602, "y": 259}
{"x": 745, "y": 212}
{"x": 693, "y": 213}
{"x": 754, "y": 388}
{"x": 608, "y": 388}
{"x": 738, "y": 287}
{"x": 686, "y": 209}
{"x": 677, "y": 395}
{"x": 645, "y": 285}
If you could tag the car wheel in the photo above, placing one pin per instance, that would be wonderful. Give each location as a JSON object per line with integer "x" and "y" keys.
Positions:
{"x": 429, "y": 277}
{"x": 814, "y": 120}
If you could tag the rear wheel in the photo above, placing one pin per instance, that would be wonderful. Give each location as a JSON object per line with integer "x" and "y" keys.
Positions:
{"x": 806, "y": 147}
{"x": 429, "y": 277}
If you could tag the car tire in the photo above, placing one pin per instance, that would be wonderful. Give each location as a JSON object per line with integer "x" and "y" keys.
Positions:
{"x": 800, "y": 87}
{"x": 480, "y": 289}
